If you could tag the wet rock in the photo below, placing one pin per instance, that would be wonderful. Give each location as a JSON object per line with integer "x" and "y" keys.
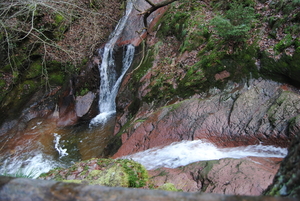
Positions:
{"x": 287, "y": 179}
{"x": 27, "y": 189}
{"x": 259, "y": 111}
{"x": 249, "y": 176}
{"x": 135, "y": 31}
{"x": 83, "y": 103}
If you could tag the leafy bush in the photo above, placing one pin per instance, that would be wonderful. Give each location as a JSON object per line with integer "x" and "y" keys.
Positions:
{"x": 235, "y": 24}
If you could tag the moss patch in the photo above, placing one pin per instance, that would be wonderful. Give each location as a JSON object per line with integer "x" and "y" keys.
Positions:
{"x": 286, "y": 69}
{"x": 35, "y": 69}
{"x": 168, "y": 187}
{"x": 108, "y": 172}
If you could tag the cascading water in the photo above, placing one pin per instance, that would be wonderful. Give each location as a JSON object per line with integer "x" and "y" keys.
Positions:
{"x": 186, "y": 152}
{"x": 42, "y": 158}
{"x": 47, "y": 154}
{"x": 110, "y": 82}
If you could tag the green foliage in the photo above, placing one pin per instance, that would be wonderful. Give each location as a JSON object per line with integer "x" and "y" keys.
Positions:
{"x": 175, "y": 24}
{"x": 225, "y": 4}
{"x": 235, "y": 24}
{"x": 195, "y": 38}
{"x": 58, "y": 18}
{"x": 284, "y": 43}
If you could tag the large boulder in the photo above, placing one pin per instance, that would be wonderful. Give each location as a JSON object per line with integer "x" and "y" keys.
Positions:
{"x": 248, "y": 176}
{"x": 259, "y": 111}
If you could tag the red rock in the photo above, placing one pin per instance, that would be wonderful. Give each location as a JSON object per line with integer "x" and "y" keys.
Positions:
{"x": 222, "y": 75}
{"x": 249, "y": 176}
{"x": 253, "y": 117}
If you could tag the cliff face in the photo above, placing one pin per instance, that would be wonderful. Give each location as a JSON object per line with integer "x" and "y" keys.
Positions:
{"x": 243, "y": 114}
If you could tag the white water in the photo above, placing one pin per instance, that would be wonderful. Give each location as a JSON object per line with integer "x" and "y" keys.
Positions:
{"x": 109, "y": 84}
{"x": 31, "y": 165}
{"x": 186, "y": 152}
{"x": 62, "y": 152}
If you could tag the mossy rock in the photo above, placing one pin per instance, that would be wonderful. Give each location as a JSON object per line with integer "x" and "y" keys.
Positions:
{"x": 285, "y": 69}
{"x": 168, "y": 187}
{"x": 108, "y": 172}
{"x": 20, "y": 94}
{"x": 34, "y": 70}
{"x": 56, "y": 78}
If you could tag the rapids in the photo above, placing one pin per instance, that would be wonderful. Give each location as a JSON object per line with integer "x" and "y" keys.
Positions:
{"x": 186, "y": 152}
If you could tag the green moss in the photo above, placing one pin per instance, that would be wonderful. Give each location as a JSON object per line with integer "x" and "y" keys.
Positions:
{"x": 137, "y": 174}
{"x": 285, "y": 69}
{"x": 110, "y": 172}
{"x": 287, "y": 41}
{"x": 73, "y": 181}
{"x": 113, "y": 176}
{"x": 195, "y": 38}
{"x": 58, "y": 19}
{"x": 168, "y": 187}
{"x": 35, "y": 69}
{"x": 56, "y": 78}
{"x": 174, "y": 24}
{"x": 145, "y": 65}
{"x": 59, "y": 27}
{"x": 83, "y": 91}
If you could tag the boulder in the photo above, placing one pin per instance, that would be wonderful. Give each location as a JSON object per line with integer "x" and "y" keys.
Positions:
{"x": 260, "y": 111}
{"x": 248, "y": 176}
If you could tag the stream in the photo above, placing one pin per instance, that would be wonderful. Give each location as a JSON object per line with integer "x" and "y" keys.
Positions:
{"x": 42, "y": 146}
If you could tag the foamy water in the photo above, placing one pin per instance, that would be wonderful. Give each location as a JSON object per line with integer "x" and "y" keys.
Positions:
{"x": 110, "y": 82}
{"x": 62, "y": 152}
{"x": 186, "y": 152}
{"x": 32, "y": 165}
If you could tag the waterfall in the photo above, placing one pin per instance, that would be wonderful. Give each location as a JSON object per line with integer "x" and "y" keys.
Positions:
{"x": 110, "y": 81}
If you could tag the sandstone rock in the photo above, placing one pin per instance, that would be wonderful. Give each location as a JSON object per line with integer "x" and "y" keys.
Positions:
{"x": 83, "y": 103}
{"x": 260, "y": 112}
{"x": 249, "y": 176}
{"x": 135, "y": 30}
{"x": 222, "y": 75}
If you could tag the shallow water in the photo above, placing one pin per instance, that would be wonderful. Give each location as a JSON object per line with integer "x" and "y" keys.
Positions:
{"x": 41, "y": 146}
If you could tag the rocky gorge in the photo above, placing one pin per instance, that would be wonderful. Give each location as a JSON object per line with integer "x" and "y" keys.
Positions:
{"x": 189, "y": 81}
